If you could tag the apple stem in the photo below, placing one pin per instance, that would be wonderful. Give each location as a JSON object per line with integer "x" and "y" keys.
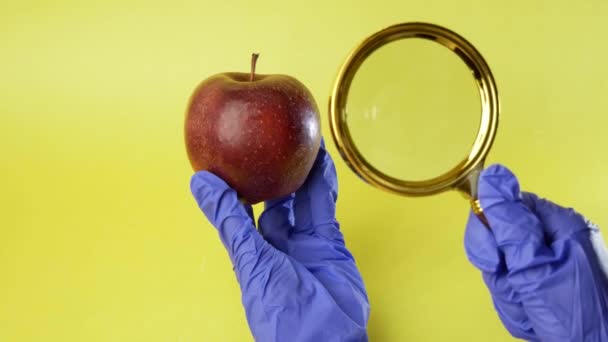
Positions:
{"x": 254, "y": 59}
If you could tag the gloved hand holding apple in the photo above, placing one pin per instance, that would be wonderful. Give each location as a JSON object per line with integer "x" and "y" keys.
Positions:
{"x": 255, "y": 138}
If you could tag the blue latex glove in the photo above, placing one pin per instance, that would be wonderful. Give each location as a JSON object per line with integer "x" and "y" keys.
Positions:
{"x": 298, "y": 280}
{"x": 546, "y": 266}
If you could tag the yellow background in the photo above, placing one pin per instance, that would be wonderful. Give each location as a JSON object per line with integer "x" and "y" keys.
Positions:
{"x": 100, "y": 239}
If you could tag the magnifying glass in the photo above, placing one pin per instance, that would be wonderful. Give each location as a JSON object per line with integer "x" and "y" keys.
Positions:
{"x": 405, "y": 107}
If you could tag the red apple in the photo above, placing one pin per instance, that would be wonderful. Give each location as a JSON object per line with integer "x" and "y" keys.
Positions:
{"x": 259, "y": 133}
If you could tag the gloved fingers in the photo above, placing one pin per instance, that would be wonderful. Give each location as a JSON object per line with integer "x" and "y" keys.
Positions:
{"x": 558, "y": 222}
{"x": 518, "y": 232}
{"x": 229, "y": 216}
{"x": 483, "y": 252}
{"x": 276, "y": 221}
{"x": 480, "y": 246}
{"x": 508, "y": 305}
{"x": 315, "y": 201}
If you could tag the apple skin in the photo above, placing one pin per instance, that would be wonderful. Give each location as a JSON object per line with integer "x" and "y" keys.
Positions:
{"x": 261, "y": 137}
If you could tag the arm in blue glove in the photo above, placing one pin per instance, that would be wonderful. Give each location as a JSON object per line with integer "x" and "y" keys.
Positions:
{"x": 546, "y": 266}
{"x": 298, "y": 280}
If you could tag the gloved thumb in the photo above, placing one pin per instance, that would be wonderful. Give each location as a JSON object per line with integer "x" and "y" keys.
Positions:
{"x": 220, "y": 204}
{"x": 518, "y": 231}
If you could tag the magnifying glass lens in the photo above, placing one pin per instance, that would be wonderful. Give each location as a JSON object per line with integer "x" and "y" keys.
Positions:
{"x": 413, "y": 109}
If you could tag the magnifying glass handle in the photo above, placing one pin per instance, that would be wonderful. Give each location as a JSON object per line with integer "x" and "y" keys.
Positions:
{"x": 479, "y": 212}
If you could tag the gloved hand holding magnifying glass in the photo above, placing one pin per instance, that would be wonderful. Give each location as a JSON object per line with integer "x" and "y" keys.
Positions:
{"x": 546, "y": 266}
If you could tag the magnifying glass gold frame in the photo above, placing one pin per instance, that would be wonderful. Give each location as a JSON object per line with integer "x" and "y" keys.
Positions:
{"x": 464, "y": 175}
